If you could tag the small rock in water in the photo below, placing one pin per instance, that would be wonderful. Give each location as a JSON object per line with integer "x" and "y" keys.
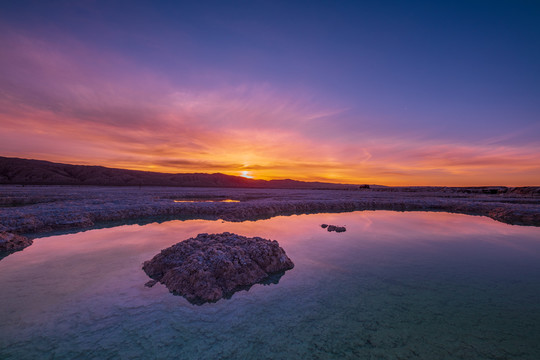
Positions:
{"x": 324, "y": 226}
{"x": 336, "y": 228}
{"x": 212, "y": 266}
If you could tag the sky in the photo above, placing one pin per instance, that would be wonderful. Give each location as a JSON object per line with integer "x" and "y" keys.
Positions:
{"x": 384, "y": 92}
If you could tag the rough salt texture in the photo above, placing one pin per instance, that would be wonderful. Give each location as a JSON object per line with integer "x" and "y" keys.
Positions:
{"x": 13, "y": 242}
{"x": 212, "y": 266}
{"x": 39, "y": 209}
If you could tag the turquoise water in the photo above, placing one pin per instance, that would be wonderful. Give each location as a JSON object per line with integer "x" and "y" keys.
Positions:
{"x": 394, "y": 286}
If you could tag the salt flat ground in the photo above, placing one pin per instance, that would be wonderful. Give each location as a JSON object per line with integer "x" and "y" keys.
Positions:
{"x": 32, "y": 210}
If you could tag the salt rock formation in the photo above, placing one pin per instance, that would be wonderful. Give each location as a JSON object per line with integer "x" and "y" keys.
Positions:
{"x": 212, "y": 266}
{"x": 13, "y": 242}
{"x": 333, "y": 228}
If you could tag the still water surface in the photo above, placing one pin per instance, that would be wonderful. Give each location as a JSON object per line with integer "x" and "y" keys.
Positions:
{"x": 394, "y": 286}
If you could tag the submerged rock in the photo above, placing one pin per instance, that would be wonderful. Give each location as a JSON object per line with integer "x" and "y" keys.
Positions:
{"x": 150, "y": 283}
{"x": 13, "y": 242}
{"x": 212, "y": 266}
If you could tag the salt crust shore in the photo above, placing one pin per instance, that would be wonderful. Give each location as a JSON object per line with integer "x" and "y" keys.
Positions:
{"x": 32, "y": 210}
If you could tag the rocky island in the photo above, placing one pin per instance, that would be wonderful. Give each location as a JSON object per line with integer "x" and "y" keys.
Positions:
{"x": 209, "y": 267}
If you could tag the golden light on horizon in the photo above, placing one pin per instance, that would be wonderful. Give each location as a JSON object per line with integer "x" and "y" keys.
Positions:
{"x": 246, "y": 174}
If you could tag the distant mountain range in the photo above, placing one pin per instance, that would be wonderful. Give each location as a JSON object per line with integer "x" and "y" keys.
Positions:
{"x": 39, "y": 172}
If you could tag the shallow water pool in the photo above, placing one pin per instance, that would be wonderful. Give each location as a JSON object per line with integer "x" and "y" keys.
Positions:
{"x": 413, "y": 285}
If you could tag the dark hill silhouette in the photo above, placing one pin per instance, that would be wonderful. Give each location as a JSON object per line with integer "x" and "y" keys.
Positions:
{"x": 39, "y": 172}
